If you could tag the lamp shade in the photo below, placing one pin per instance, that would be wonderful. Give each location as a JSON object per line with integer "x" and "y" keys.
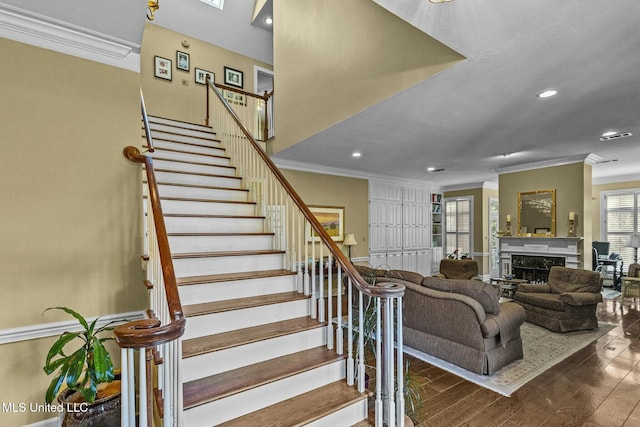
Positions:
{"x": 350, "y": 240}
{"x": 634, "y": 240}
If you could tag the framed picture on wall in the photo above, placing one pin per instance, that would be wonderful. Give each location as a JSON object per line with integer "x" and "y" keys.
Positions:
{"x": 233, "y": 77}
{"x": 201, "y": 76}
{"x": 162, "y": 67}
{"x": 332, "y": 220}
{"x": 182, "y": 61}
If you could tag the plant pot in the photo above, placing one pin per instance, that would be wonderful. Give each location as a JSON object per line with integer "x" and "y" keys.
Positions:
{"x": 103, "y": 412}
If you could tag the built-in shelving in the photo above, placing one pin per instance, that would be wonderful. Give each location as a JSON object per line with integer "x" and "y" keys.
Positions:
{"x": 436, "y": 220}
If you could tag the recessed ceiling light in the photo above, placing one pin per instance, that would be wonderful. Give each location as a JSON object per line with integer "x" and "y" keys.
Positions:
{"x": 610, "y": 133}
{"x": 609, "y": 136}
{"x": 432, "y": 169}
{"x": 547, "y": 93}
{"x": 356, "y": 154}
{"x": 268, "y": 21}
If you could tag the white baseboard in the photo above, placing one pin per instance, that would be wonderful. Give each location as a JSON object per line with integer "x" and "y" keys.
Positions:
{"x": 51, "y": 329}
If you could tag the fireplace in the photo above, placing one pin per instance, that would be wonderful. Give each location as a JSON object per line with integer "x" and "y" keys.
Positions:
{"x": 534, "y": 268}
{"x": 530, "y": 258}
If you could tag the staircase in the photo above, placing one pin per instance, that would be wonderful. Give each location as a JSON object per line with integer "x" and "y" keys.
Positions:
{"x": 251, "y": 353}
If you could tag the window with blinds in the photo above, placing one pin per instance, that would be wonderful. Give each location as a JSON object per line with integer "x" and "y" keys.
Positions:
{"x": 621, "y": 217}
{"x": 458, "y": 225}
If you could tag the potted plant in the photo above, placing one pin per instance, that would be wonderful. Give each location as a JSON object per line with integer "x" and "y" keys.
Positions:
{"x": 92, "y": 394}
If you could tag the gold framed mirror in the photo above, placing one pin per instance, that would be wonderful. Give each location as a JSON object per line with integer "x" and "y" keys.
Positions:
{"x": 537, "y": 213}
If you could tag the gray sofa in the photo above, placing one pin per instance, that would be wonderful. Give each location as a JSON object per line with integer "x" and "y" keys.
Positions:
{"x": 460, "y": 321}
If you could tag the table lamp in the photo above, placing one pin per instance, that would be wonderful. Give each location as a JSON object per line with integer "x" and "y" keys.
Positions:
{"x": 634, "y": 242}
{"x": 350, "y": 240}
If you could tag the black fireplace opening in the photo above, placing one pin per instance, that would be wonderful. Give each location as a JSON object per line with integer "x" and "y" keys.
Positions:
{"x": 534, "y": 268}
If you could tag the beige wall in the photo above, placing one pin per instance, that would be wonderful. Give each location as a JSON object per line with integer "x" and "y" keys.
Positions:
{"x": 571, "y": 182}
{"x": 340, "y": 57}
{"x": 70, "y": 203}
{"x": 480, "y": 222}
{"x": 182, "y": 98}
{"x": 331, "y": 190}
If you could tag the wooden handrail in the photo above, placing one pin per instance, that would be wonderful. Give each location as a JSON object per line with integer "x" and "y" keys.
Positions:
{"x": 381, "y": 290}
{"x": 147, "y": 333}
{"x": 145, "y": 120}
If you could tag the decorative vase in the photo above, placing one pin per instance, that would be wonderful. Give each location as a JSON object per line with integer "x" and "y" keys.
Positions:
{"x": 103, "y": 412}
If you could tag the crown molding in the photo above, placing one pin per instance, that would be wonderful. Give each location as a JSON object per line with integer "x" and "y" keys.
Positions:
{"x": 471, "y": 186}
{"x": 38, "y": 30}
{"x": 589, "y": 159}
{"x": 44, "y": 330}
{"x": 309, "y": 167}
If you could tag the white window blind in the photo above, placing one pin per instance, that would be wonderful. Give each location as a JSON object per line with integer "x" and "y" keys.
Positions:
{"x": 458, "y": 225}
{"x": 621, "y": 217}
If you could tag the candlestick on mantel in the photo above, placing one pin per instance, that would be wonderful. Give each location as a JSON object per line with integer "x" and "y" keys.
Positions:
{"x": 508, "y": 230}
{"x": 508, "y": 218}
{"x": 572, "y": 216}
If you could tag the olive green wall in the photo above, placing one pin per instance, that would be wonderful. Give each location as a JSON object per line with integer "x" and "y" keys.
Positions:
{"x": 572, "y": 183}
{"x": 596, "y": 207}
{"x": 331, "y": 190}
{"x": 182, "y": 98}
{"x": 340, "y": 57}
{"x": 71, "y": 203}
{"x": 480, "y": 222}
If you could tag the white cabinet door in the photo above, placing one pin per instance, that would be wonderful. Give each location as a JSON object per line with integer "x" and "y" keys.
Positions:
{"x": 394, "y": 260}
{"x": 409, "y": 261}
{"x": 423, "y": 262}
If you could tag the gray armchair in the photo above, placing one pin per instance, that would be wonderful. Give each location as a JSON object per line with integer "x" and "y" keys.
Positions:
{"x": 567, "y": 302}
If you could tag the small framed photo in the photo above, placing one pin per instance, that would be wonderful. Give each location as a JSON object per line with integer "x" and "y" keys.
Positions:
{"x": 201, "y": 76}
{"x": 234, "y": 97}
{"x": 182, "y": 61}
{"x": 162, "y": 67}
{"x": 233, "y": 77}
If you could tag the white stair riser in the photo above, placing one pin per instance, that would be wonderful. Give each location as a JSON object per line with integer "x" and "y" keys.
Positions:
{"x": 187, "y": 157}
{"x": 192, "y": 145}
{"x": 220, "y": 291}
{"x": 217, "y": 169}
{"x": 237, "y": 357}
{"x": 154, "y": 120}
{"x": 215, "y": 323}
{"x": 212, "y": 181}
{"x": 257, "y": 398}
{"x": 214, "y": 225}
{"x": 202, "y": 193}
{"x": 188, "y": 267}
{"x": 347, "y": 416}
{"x": 204, "y": 243}
{"x": 208, "y": 208}
{"x": 157, "y": 128}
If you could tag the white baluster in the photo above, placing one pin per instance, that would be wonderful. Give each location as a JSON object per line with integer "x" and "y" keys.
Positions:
{"x": 142, "y": 388}
{"x": 124, "y": 389}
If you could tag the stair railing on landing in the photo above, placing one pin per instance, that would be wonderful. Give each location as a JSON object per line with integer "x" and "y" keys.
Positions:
{"x": 253, "y": 110}
{"x": 159, "y": 336}
{"x": 301, "y": 236}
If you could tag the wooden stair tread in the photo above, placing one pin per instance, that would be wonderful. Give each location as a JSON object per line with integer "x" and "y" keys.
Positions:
{"x": 171, "y": 150}
{"x": 210, "y": 343}
{"x": 303, "y": 409}
{"x": 189, "y": 199}
{"x": 241, "y": 303}
{"x": 208, "y": 389}
{"x": 212, "y": 216}
{"x": 165, "y": 159}
{"x": 154, "y": 120}
{"x": 186, "y": 135}
{"x": 223, "y": 254}
{"x": 213, "y": 278}
{"x": 208, "y": 187}
{"x": 208, "y": 175}
{"x": 200, "y": 137}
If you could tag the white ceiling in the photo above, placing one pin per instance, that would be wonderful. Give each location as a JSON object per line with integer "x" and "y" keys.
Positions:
{"x": 465, "y": 117}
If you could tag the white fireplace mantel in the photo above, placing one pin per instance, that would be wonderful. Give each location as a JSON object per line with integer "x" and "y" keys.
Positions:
{"x": 570, "y": 248}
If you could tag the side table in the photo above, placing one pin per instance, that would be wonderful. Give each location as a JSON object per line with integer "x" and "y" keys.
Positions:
{"x": 507, "y": 286}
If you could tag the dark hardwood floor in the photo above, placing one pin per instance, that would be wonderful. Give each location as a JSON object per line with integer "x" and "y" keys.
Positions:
{"x": 597, "y": 386}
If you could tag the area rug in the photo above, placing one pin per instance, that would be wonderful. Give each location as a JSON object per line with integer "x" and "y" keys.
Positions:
{"x": 542, "y": 349}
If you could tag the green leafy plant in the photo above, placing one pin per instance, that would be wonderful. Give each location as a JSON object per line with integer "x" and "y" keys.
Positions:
{"x": 87, "y": 366}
